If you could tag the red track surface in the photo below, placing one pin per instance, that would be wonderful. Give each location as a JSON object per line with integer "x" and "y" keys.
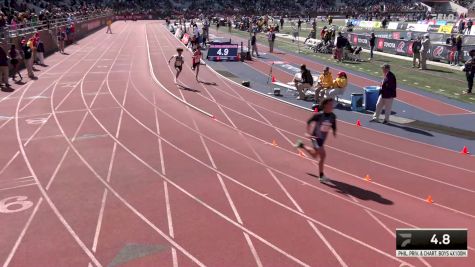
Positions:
{"x": 419, "y": 101}
{"x": 107, "y": 158}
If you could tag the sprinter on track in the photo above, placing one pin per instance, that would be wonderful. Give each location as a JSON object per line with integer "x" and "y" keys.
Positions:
{"x": 318, "y": 127}
{"x": 178, "y": 62}
{"x": 196, "y": 61}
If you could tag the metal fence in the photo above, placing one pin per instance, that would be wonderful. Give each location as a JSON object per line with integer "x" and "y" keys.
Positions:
{"x": 12, "y": 31}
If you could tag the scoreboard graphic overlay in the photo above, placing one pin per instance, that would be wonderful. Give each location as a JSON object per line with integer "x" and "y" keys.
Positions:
{"x": 451, "y": 242}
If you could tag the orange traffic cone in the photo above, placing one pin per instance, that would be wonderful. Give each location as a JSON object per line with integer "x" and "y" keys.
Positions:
{"x": 274, "y": 143}
{"x": 358, "y": 123}
{"x": 315, "y": 110}
{"x": 465, "y": 150}
{"x": 273, "y": 79}
{"x": 429, "y": 199}
{"x": 367, "y": 178}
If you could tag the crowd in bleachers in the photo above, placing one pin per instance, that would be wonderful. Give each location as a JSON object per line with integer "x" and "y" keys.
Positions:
{"x": 18, "y": 14}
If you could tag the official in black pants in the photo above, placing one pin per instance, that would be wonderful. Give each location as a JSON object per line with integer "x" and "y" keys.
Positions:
{"x": 470, "y": 71}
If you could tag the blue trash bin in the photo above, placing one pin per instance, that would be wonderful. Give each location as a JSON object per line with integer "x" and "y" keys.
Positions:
{"x": 371, "y": 94}
{"x": 357, "y": 102}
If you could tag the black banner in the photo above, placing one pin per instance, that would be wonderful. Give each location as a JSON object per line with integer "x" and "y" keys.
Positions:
{"x": 437, "y": 52}
{"x": 433, "y": 28}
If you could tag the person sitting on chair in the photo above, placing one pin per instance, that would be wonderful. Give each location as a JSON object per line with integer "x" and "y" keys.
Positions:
{"x": 304, "y": 83}
{"x": 339, "y": 85}
{"x": 325, "y": 82}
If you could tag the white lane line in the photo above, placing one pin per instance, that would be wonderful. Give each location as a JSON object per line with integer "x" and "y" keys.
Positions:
{"x": 289, "y": 196}
{"x": 114, "y": 148}
{"x": 302, "y": 181}
{"x": 22, "y": 233}
{"x": 220, "y": 179}
{"x": 13, "y": 251}
{"x": 242, "y": 185}
{"x": 45, "y": 194}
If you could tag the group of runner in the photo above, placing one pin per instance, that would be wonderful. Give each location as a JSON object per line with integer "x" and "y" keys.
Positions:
{"x": 179, "y": 62}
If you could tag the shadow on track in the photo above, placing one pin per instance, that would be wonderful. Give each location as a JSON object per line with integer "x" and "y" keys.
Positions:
{"x": 410, "y": 129}
{"x": 359, "y": 193}
{"x": 182, "y": 87}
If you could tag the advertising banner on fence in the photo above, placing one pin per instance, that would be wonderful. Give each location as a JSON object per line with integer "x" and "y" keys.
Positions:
{"x": 446, "y": 29}
{"x": 417, "y": 27}
{"x": 404, "y": 47}
{"x": 392, "y": 25}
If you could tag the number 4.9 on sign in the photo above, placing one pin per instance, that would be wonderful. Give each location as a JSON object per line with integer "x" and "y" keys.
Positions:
{"x": 223, "y": 52}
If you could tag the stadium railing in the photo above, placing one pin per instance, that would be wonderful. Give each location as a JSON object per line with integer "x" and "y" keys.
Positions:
{"x": 12, "y": 31}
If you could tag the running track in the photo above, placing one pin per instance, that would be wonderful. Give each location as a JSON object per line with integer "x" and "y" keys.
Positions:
{"x": 107, "y": 162}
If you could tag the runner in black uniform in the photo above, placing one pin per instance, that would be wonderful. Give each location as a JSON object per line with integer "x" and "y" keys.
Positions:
{"x": 178, "y": 62}
{"x": 318, "y": 127}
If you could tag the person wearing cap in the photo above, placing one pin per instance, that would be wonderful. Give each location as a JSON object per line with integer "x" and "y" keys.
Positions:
{"x": 27, "y": 55}
{"x": 386, "y": 95}
{"x": 325, "y": 82}
{"x": 304, "y": 82}
{"x": 424, "y": 51}
{"x": 469, "y": 69}
{"x": 339, "y": 85}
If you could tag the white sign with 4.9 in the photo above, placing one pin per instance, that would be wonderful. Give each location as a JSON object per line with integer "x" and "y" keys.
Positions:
{"x": 223, "y": 52}
{"x": 15, "y": 204}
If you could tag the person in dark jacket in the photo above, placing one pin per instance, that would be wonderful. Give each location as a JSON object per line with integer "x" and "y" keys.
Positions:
{"x": 469, "y": 69}
{"x": 372, "y": 43}
{"x": 4, "y": 67}
{"x": 386, "y": 95}
{"x": 254, "y": 45}
{"x": 304, "y": 82}
{"x": 340, "y": 44}
{"x": 416, "y": 52}
{"x": 15, "y": 57}
{"x": 458, "y": 52}
{"x": 40, "y": 52}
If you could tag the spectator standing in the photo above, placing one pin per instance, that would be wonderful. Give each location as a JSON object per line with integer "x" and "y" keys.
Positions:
{"x": 15, "y": 57}
{"x": 469, "y": 26}
{"x": 372, "y": 43}
{"x": 425, "y": 51}
{"x": 61, "y": 36}
{"x": 461, "y": 26}
{"x": 254, "y": 45}
{"x": 469, "y": 69}
{"x": 282, "y": 23}
{"x": 4, "y": 67}
{"x": 416, "y": 52}
{"x": 40, "y": 51}
{"x": 458, "y": 51}
{"x": 330, "y": 20}
{"x": 386, "y": 95}
{"x": 299, "y": 23}
{"x": 305, "y": 82}
{"x": 109, "y": 29}
{"x": 271, "y": 39}
{"x": 340, "y": 43}
{"x": 27, "y": 55}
